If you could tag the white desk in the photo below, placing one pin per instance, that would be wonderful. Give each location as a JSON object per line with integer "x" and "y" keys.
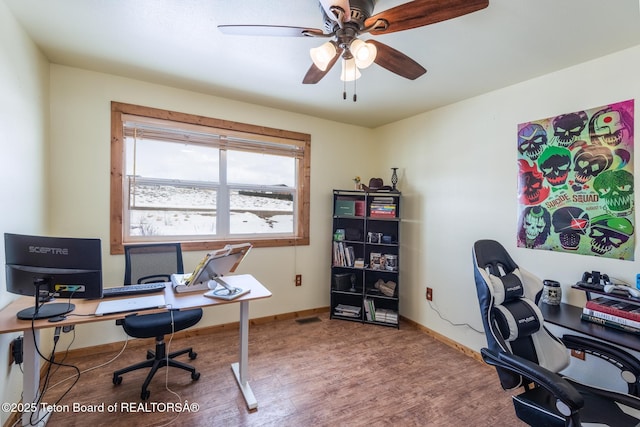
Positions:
{"x": 31, "y": 362}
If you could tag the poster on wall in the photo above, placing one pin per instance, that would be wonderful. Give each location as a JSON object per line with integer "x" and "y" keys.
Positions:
{"x": 575, "y": 182}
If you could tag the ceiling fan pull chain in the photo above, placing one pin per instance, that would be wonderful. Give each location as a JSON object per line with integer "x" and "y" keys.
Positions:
{"x": 355, "y": 97}
{"x": 344, "y": 90}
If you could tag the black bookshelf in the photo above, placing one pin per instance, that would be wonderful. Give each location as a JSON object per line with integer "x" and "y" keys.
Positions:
{"x": 365, "y": 261}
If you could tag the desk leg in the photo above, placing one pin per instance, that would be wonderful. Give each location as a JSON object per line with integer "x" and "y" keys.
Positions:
{"x": 31, "y": 379}
{"x": 240, "y": 369}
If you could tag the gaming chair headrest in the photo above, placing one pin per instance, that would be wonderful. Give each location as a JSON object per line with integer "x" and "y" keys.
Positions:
{"x": 491, "y": 255}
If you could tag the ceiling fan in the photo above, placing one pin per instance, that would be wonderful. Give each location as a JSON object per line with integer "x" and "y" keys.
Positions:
{"x": 345, "y": 20}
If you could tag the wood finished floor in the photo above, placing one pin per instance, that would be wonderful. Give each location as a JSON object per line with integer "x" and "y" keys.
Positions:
{"x": 322, "y": 373}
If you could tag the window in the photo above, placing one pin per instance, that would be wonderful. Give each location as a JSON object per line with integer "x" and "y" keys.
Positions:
{"x": 205, "y": 182}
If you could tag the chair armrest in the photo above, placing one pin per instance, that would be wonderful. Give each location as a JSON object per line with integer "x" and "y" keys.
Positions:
{"x": 552, "y": 382}
{"x": 614, "y": 355}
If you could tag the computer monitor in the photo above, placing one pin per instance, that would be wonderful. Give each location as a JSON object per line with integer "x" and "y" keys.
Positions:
{"x": 45, "y": 267}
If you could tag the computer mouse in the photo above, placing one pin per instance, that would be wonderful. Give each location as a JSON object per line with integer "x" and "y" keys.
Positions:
{"x": 57, "y": 319}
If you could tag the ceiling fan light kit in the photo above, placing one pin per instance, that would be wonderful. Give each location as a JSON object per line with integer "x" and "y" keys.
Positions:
{"x": 323, "y": 54}
{"x": 364, "y": 53}
{"x": 345, "y": 20}
{"x": 350, "y": 71}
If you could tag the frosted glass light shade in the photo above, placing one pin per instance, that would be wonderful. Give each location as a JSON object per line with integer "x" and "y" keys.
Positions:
{"x": 349, "y": 70}
{"x": 322, "y": 55}
{"x": 364, "y": 53}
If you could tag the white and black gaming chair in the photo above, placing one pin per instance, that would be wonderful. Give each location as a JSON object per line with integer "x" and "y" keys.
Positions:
{"x": 527, "y": 356}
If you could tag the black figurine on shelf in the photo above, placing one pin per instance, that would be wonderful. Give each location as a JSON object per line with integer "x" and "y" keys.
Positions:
{"x": 394, "y": 179}
{"x": 353, "y": 283}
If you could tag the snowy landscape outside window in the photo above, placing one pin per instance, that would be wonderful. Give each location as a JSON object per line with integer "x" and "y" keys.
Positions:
{"x": 205, "y": 182}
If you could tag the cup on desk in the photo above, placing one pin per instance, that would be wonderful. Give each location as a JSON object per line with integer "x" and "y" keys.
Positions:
{"x": 552, "y": 292}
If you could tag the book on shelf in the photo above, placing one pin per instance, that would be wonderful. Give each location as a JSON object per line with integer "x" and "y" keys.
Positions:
{"x": 351, "y": 257}
{"x": 345, "y": 206}
{"x": 618, "y": 308}
{"x": 383, "y": 211}
{"x": 343, "y": 255}
{"x": 611, "y": 317}
{"x": 369, "y": 309}
{"x": 609, "y": 324}
{"x": 385, "y": 315}
{"x": 384, "y": 207}
{"x": 347, "y": 310}
{"x": 383, "y": 200}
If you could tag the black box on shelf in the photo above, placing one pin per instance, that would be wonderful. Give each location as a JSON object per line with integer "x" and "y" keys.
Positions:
{"x": 342, "y": 281}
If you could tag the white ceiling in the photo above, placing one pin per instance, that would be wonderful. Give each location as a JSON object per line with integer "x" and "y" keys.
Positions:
{"x": 177, "y": 43}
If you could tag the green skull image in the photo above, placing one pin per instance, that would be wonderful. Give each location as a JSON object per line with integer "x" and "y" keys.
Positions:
{"x": 615, "y": 187}
{"x": 608, "y": 232}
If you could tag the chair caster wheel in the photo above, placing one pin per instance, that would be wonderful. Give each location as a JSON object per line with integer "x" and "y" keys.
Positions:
{"x": 117, "y": 380}
{"x": 150, "y": 355}
{"x": 193, "y": 355}
{"x": 145, "y": 394}
{"x": 195, "y": 376}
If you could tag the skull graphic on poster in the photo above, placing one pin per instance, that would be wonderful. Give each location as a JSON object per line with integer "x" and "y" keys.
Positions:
{"x": 615, "y": 187}
{"x": 571, "y": 223}
{"x": 555, "y": 163}
{"x": 568, "y": 127}
{"x": 532, "y": 189}
{"x": 531, "y": 140}
{"x": 535, "y": 226}
{"x": 608, "y": 127}
{"x": 591, "y": 160}
{"x": 608, "y": 232}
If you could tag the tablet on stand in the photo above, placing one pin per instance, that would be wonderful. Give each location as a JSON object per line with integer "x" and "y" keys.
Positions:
{"x": 207, "y": 275}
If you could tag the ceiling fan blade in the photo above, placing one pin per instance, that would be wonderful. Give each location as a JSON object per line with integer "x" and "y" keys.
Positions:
{"x": 270, "y": 30}
{"x": 342, "y": 4}
{"x": 397, "y": 62}
{"x": 419, "y": 13}
{"x": 315, "y": 74}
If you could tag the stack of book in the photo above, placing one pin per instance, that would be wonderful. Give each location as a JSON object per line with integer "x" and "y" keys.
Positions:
{"x": 347, "y": 310}
{"x": 621, "y": 315}
{"x": 379, "y": 314}
{"x": 386, "y": 316}
{"x": 343, "y": 256}
{"x": 382, "y": 207}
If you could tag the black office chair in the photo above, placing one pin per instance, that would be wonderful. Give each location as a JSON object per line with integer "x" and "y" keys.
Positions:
{"x": 527, "y": 356}
{"x": 155, "y": 263}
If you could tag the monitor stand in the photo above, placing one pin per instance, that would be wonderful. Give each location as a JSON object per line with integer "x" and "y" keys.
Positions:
{"x": 46, "y": 311}
{"x": 43, "y": 309}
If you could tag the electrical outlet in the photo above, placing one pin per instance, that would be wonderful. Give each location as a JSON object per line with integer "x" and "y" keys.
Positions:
{"x": 16, "y": 351}
{"x": 429, "y": 294}
{"x": 298, "y": 279}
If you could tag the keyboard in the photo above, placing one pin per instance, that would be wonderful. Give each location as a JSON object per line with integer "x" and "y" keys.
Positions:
{"x": 130, "y": 290}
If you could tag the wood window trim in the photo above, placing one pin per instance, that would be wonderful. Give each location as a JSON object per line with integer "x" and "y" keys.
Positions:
{"x": 119, "y": 109}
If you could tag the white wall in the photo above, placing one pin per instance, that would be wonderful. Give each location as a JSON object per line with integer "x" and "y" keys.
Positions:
{"x": 24, "y": 103}
{"x": 459, "y": 179}
{"x": 79, "y": 184}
